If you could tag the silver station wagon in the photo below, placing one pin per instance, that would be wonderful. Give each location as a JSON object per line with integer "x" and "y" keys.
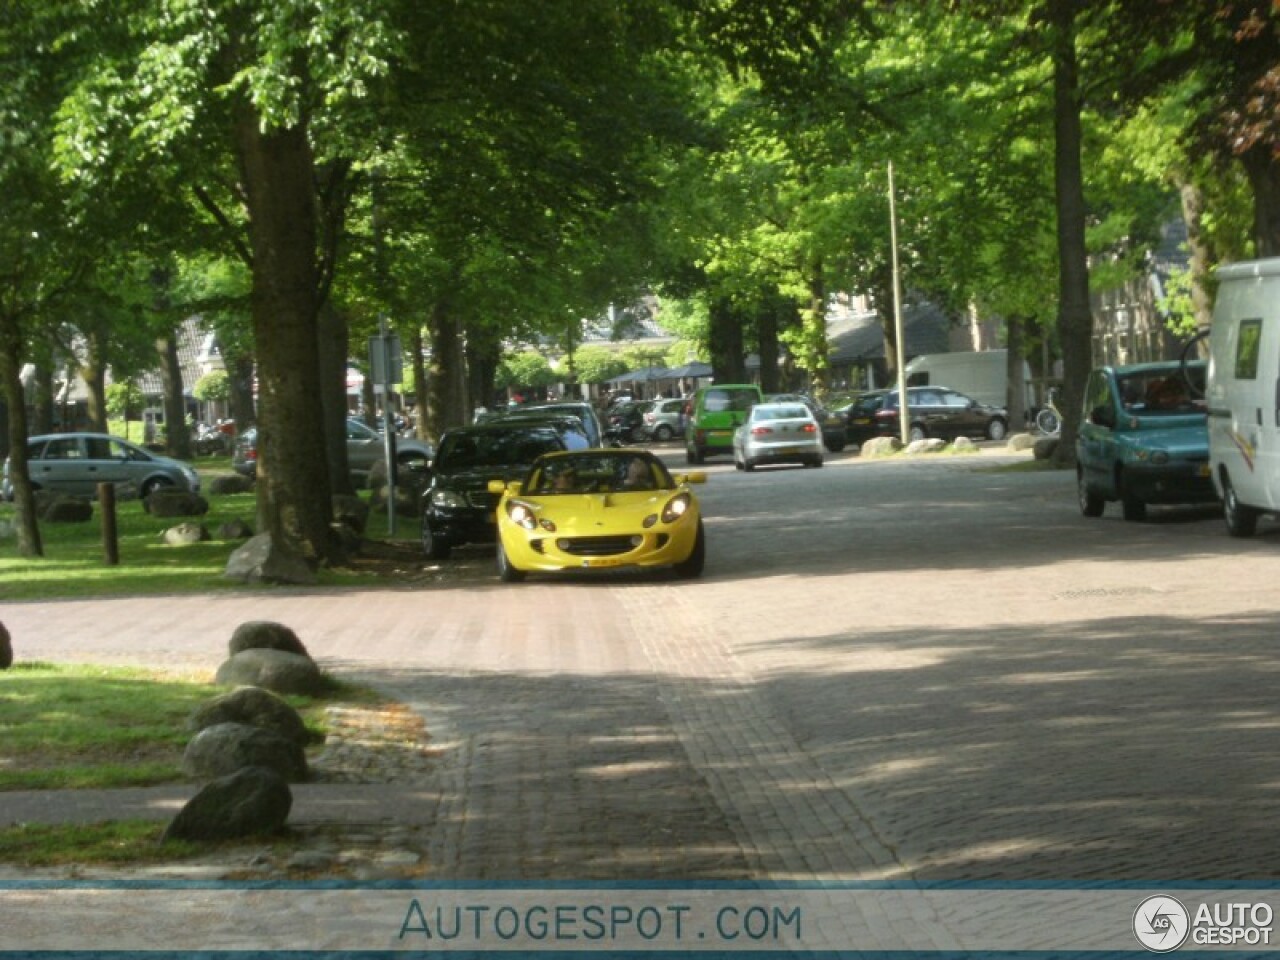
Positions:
{"x": 75, "y": 463}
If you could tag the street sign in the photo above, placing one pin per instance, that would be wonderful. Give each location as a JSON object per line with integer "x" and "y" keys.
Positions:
{"x": 385, "y": 366}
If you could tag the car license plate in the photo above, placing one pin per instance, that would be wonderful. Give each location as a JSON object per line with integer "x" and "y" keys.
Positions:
{"x": 720, "y": 433}
{"x": 861, "y": 420}
{"x": 601, "y": 562}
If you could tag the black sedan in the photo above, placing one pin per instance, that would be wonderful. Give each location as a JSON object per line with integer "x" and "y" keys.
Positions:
{"x": 934, "y": 412}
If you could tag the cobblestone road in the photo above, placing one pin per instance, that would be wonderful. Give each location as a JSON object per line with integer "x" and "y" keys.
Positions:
{"x": 891, "y": 670}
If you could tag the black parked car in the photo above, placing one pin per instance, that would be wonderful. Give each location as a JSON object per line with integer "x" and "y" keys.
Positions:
{"x": 935, "y": 412}
{"x": 457, "y": 507}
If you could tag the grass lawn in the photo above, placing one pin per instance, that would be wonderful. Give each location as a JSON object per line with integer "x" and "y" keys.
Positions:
{"x": 73, "y": 564}
{"x": 83, "y": 726}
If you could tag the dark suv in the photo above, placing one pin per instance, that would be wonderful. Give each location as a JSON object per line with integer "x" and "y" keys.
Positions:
{"x": 457, "y": 507}
{"x": 935, "y": 412}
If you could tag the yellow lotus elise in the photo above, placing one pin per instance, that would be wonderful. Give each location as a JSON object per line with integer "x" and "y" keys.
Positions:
{"x": 599, "y": 509}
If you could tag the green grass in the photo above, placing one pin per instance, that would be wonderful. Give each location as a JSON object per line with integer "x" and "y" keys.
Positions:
{"x": 81, "y": 727}
{"x": 73, "y": 564}
{"x": 120, "y": 841}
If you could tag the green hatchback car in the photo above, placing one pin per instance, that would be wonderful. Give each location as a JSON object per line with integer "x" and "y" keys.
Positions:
{"x": 714, "y": 414}
{"x": 1143, "y": 438}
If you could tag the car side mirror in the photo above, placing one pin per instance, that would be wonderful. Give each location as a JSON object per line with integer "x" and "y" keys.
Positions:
{"x": 499, "y": 487}
{"x": 698, "y": 477}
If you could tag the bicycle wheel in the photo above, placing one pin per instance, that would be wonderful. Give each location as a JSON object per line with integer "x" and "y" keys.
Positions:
{"x": 1047, "y": 422}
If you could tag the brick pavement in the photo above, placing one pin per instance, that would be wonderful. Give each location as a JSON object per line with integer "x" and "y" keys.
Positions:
{"x": 904, "y": 688}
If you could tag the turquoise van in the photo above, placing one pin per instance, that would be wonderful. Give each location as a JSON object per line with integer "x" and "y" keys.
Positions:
{"x": 714, "y": 414}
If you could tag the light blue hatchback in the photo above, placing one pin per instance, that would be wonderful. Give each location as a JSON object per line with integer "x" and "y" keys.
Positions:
{"x": 1143, "y": 438}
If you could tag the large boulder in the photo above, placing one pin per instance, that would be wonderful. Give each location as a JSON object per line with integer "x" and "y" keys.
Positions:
{"x": 234, "y": 530}
{"x": 62, "y": 509}
{"x": 225, "y": 483}
{"x": 186, "y": 533}
{"x": 265, "y": 635}
{"x": 224, "y": 748}
{"x": 256, "y": 708}
{"x": 251, "y": 801}
{"x": 926, "y": 445}
{"x": 880, "y": 447}
{"x": 964, "y": 445}
{"x": 1020, "y": 441}
{"x": 273, "y": 669}
{"x": 175, "y": 503}
{"x": 1044, "y": 448}
{"x": 6, "y": 649}
{"x": 262, "y": 560}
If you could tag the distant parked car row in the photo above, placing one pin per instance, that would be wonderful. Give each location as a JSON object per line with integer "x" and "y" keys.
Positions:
{"x": 75, "y": 463}
{"x": 365, "y": 447}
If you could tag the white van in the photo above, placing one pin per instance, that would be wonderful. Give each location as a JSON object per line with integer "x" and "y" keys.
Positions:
{"x": 1244, "y": 393}
{"x": 982, "y": 375}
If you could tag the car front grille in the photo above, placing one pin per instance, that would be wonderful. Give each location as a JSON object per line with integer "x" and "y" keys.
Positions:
{"x": 595, "y": 546}
{"x": 481, "y": 498}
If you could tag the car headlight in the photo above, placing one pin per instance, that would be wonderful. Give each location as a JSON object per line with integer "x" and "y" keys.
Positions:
{"x": 447, "y": 499}
{"x": 676, "y": 508}
{"x": 522, "y": 514}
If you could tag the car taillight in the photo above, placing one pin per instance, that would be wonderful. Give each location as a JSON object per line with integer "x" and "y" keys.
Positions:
{"x": 251, "y": 454}
{"x": 760, "y": 431}
{"x": 809, "y": 428}
{"x": 885, "y": 414}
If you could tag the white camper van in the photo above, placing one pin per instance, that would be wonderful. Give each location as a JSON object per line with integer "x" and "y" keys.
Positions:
{"x": 1244, "y": 393}
{"x": 982, "y": 375}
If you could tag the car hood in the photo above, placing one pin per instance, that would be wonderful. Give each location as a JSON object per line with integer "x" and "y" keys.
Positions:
{"x": 477, "y": 478}
{"x": 1177, "y": 438}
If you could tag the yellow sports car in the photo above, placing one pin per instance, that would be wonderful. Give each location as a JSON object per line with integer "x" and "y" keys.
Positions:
{"x": 597, "y": 509}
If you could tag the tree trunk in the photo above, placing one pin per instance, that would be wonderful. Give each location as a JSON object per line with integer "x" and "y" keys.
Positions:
{"x": 1015, "y": 393}
{"x": 726, "y": 342}
{"x": 177, "y": 439}
{"x": 1201, "y": 260}
{"x": 484, "y": 353}
{"x": 1262, "y": 167}
{"x": 240, "y": 406}
{"x": 93, "y": 372}
{"x": 446, "y": 385}
{"x": 28, "y": 531}
{"x": 767, "y": 344}
{"x": 814, "y": 328}
{"x": 278, "y": 171}
{"x": 1075, "y": 320}
{"x": 333, "y": 349}
{"x": 42, "y": 401}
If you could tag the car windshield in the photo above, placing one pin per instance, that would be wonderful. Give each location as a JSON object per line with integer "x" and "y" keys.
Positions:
{"x": 1161, "y": 391}
{"x": 466, "y": 449}
{"x": 598, "y": 472}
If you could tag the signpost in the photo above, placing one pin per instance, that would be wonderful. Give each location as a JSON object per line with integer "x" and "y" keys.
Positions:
{"x": 385, "y": 369}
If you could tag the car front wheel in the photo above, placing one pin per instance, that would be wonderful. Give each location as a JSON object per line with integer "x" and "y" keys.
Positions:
{"x": 1241, "y": 521}
{"x": 691, "y": 566}
{"x": 506, "y": 572}
{"x": 996, "y": 429}
{"x": 433, "y": 546}
{"x": 917, "y": 432}
{"x": 662, "y": 434}
{"x": 156, "y": 483}
{"x": 1091, "y": 505}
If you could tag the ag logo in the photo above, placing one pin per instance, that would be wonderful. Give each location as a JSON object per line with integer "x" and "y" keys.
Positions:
{"x": 1161, "y": 924}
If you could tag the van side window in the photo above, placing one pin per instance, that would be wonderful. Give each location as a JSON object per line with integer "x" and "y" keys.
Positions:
{"x": 1247, "y": 349}
{"x": 715, "y": 401}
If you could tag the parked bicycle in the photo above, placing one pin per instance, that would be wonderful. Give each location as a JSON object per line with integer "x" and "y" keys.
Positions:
{"x": 1049, "y": 418}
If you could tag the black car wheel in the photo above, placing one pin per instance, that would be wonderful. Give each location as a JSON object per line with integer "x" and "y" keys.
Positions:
{"x": 835, "y": 446}
{"x": 997, "y": 429}
{"x": 154, "y": 484}
{"x": 1091, "y": 505}
{"x": 691, "y": 566}
{"x": 748, "y": 465}
{"x": 917, "y": 432}
{"x": 506, "y": 572}
{"x": 1241, "y": 521}
{"x": 662, "y": 433}
{"x": 433, "y": 546}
